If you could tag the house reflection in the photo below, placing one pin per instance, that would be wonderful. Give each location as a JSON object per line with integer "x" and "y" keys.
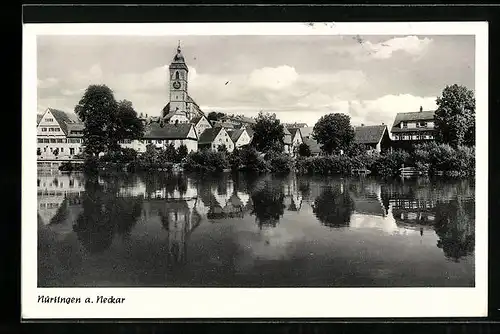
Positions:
{"x": 293, "y": 197}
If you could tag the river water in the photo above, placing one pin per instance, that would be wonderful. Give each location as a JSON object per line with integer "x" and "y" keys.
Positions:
{"x": 245, "y": 230}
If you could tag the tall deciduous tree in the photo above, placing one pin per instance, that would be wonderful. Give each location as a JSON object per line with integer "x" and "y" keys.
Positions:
{"x": 126, "y": 125}
{"x": 334, "y": 132}
{"x": 97, "y": 109}
{"x": 269, "y": 133}
{"x": 455, "y": 116}
{"x": 106, "y": 120}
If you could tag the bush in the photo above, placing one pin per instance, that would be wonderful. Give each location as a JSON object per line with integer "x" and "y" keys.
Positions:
{"x": 279, "y": 162}
{"x": 327, "y": 164}
{"x": 206, "y": 160}
{"x": 388, "y": 165}
{"x": 442, "y": 158}
{"x": 304, "y": 150}
{"x": 247, "y": 159}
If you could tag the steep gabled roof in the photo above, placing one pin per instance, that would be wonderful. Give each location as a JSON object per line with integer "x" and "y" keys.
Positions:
{"x": 250, "y": 132}
{"x": 369, "y": 134}
{"x": 168, "y": 131}
{"x": 306, "y": 131}
{"x": 64, "y": 118}
{"x": 208, "y": 136}
{"x": 414, "y": 116}
{"x": 38, "y": 118}
{"x": 235, "y": 135}
{"x": 286, "y": 131}
{"x": 293, "y": 131}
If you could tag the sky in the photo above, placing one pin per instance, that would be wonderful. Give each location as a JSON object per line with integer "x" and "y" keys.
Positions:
{"x": 300, "y": 78}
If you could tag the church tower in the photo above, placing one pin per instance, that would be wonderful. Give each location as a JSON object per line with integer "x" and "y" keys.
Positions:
{"x": 178, "y": 71}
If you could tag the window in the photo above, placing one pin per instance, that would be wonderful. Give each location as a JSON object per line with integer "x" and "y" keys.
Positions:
{"x": 62, "y": 149}
{"x": 405, "y": 124}
{"x": 59, "y": 140}
{"x": 71, "y": 150}
{"x": 422, "y": 124}
{"x": 52, "y": 140}
{"x": 49, "y": 120}
{"x": 177, "y": 75}
{"x": 44, "y": 129}
{"x": 80, "y": 149}
{"x": 40, "y": 140}
{"x": 45, "y": 149}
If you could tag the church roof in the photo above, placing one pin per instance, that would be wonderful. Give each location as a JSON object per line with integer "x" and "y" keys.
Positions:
{"x": 178, "y": 61}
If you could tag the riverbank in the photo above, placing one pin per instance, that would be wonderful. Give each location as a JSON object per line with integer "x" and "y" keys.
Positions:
{"x": 430, "y": 159}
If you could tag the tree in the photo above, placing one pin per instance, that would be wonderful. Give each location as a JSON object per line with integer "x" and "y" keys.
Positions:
{"x": 455, "y": 116}
{"x": 97, "y": 109}
{"x": 126, "y": 125}
{"x": 334, "y": 132}
{"x": 269, "y": 133}
{"x": 182, "y": 152}
{"x": 106, "y": 121}
{"x": 215, "y": 116}
{"x": 304, "y": 150}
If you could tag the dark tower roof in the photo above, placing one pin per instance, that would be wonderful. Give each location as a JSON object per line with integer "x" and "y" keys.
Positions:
{"x": 178, "y": 61}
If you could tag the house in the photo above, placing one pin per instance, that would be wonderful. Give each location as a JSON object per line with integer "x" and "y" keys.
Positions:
{"x": 296, "y": 138}
{"x": 314, "y": 146}
{"x": 240, "y": 137}
{"x": 59, "y": 135}
{"x": 373, "y": 137}
{"x": 414, "y": 126}
{"x": 287, "y": 140}
{"x": 201, "y": 123}
{"x": 214, "y": 137}
{"x": 161, "y": 135}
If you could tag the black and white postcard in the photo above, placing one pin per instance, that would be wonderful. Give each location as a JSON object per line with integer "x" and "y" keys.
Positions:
{"x": 255, "y": 170}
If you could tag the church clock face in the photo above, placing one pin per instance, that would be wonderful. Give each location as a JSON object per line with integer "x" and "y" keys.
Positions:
{"x": 177, "y": 85}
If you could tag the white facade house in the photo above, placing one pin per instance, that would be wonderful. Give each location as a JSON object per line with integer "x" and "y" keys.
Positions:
{"x": 59, "y": 135}
{"x": 201, "y": 123}
{"x": 176, "y": 134}
{"x": 215, "y": 137}
{"x": 240, "y": 137}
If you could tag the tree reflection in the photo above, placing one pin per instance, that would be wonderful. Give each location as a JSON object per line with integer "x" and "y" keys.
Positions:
{"x": 333, "y": 207}
{"x": 104, "y": 215}
{"x": 268, "y": 204}
{"x": 455, "y": 228}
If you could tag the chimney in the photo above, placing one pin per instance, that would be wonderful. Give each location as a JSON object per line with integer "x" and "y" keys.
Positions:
{"x": 421, "y": 109}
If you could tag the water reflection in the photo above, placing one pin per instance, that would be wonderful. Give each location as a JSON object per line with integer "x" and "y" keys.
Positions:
{"x": 268, "y": 206}
{"x": 333, "y": 207}
{"x": 154, "y": 224}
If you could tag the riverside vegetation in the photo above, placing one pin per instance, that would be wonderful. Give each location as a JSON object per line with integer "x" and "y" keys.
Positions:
{"x": 431, "y": 158}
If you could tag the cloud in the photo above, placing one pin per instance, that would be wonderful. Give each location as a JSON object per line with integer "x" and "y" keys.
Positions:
{"x": 47, "y": 83}
{"x": 409, "y": 44}
{"x": 294, "y": 96}
{"x": 275, "y": 78}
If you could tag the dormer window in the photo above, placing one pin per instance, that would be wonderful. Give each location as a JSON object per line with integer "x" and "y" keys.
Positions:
{"x": 404, "y": 124}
